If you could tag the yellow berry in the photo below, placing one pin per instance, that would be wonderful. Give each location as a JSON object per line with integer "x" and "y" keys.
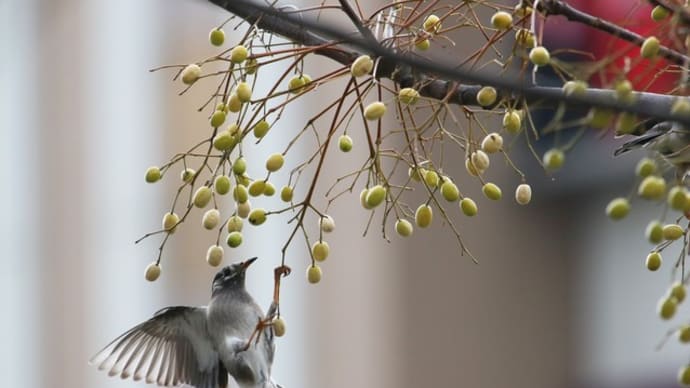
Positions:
{"x": 345, "y": 143}
{"x": 523, "y": 194}
{"x": 299, "y": 83}
{"x": 667, "y": 308}
{"x": 286, "y": 194}
{"x": 243, "y": 91}
{"x": 416, "y": 173}
{"x": 278, "y": 326}
{"x": 327, "y": 224}
{"x": 235, "y": 224}
{"x": 431, "y": 178}
{"x": 187, "y": 175}
{"x": 251, "y": 66}
{"x": 257, "y": 216}
{"x": 238, "y": 54}
{"x": 486, "y": 96}
{"x": 540, "y": 56}
{"x": 652, "y": 187}
{"x": 376, "y": 196}
{"x": 492, "y": 191}
{"x": 153, "y": 174}
{"x": 240, "y": 193}
{"x": 269, "y": 189}
{"x": 223, "y": 141}
{"x": 423, "y": 216}
{"x": 234, "y": 239}
{"x": 492, "y": 143}
{"x": 153, "y": 271}
{"x": 673, "y": 232}
{"x": 525, "y": 38}
{"x": 222, "y": 184}
{"x": 261, "y": 129}
{"x": 512, "y": 122}
{"x": 320, "y": 250}
{"x": 257, "y": 188}
{"x": 502, "y": 20}
{"x": 240, "y": 166}
{"x": 684, "y": 375}
{"x": 684, "y": 337}
{"x": 432, "y": 24}
{"x": 314, "y": 274}
{"x": 404, "y": 228}
{"x": 645, "y": 167}
{"x": 191, "y": 73}
{"x": 363, "y": 198}
{"x": 450, "y": 191}
{"x": 480, "y": 160}
{"x": 598, "y": 118}
{"x": 618, "y": 208}
{"x": 214, "y": 255}
{"x": 422, "y": 44}
{"x": 659, "y": 13}
{"x": 653, "y": 261}
{"x": 468, "y": 207}
{"x": 170, "y": 221}
{"x": 678, "y": 291}
{"x": 654, "y": 232}
{"x": 650, "y": 47}
{"x": 217, "y": 37}
{"x": 234, "y": 103}
{"x": 274, "y": 162}
{"x": 408, "y": 96}
{"x": 202, "y": 196}
{"x": 554, "y": 159}
{"x": 374, "y": 111}
{"x": 681, "y": 106}
{"x": 361, "y": 66}
{"x": 626, "y": 124}
{"x": 471, "y": 169}
{"x": 210, "y": 219}
{"x": 677, "y": 198}
{"x": 243, "y": 209}
{"x": 575, "y": 88}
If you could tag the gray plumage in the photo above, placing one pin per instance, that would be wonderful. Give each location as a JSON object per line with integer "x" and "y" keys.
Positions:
{"x": 198, "y": 346}
{"x": 670, "y": 139}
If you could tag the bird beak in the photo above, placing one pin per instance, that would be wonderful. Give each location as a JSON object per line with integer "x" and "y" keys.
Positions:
{"x": 247, "y": 263}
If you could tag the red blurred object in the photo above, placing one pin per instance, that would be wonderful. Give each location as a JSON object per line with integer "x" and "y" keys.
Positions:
{"x": 634, "y": 15}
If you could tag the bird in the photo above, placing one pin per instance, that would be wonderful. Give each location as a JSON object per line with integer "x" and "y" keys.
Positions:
{"x": 670, "y": 139}
{"x": 199, "y": 346}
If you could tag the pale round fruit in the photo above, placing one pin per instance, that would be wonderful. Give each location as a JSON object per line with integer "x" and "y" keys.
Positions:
{"x": 525, "y": 38}
{"x": 618, "y": 208}
{"x": 278, "y": 326}
{"x": 652, "y": 187}
{"x": 684, "y": 337}
{"x": 432, "y": 24}
{"x": 486, "y": 96}
{"x": 216, "y": 37}
{"x": 243, "y": 209}
{"x": 512, "y": 122}
{"x": 653, "y": 261}
{"x": 235, "y": 224}
{"x": 423, "y": 216}
{"x": 314, "y": 274}
{"x": 210, "y": 219}
{"x": 431, "y": 178}
{"x": 677, "y": 198}
{"x": 375, "y": 196}
{"x": 214, "y": 255}
{"x": 423, "y": 44}
{"x": 234, "y": 239}
{"x": 480, "y": 160}
{"x": 374, "y": 111}
{"x": 645, "y": 167}
{"x": 523, "y": 194}
{"x": 187, "y": 175}
{"x": 320, "y": 250}
{"x": 540, "y": 56}
{"x": 450, "y": 191}
{"x": 327, "y": 224}
{"x": 243, "y": 91}
{"x": 654, "y": 232}
{"x": 626, "y": 124}
{"x": 251, "y": 66}
{"x": 234, "y": 103}
{"x": 502, "y": 20}
{"x": 275, "y": 162}
{"x": 554, "y": 159}
{"x": 153, "y": 272}
{"x": 684, "y": 375}
{"x": 286, "y": 194}
{"x": 659, "y": 13}
{"x": 574, "y": 88}
{"x": 471, "y": 169}
{"x": 667, "y": 308}
{"x": 223, "y": 141}
{"x": 153, "y": 174}
{"x": 217, "y": 119}
{"x": 361, "y": 66}
{"x": 238, "y": 54}
{"x": 299, "y": 83}
{"x": 681, "y": 106}
{"x": 650, "y": 47}
{"x": 222, "y": 184}
{"x": 492, "y": 143}
{"x": 678, "y": 291}
{"x": 363, "y": 198}
{"x": 416, "y": 173}
{"x": 345, "y": 143}
{"x": 408, "y": 96}
{"x": 261, "y": 129}
{"x": 202, "y": 196}
{"x": 673, "y": 232}
{"x": 468, "y": 207}
{"x": 492, "y": 191}
{"x": 191, "y": 73}
{"x": 598, "y": 118}
{"x": 257, "y": 216}
{"x": 170, "y": 221}
{"x": 404, "y": 228}
{"x": 257, "y": 188}
{"x": 240, "y": 194}
{"x": 269, "y": 189}
{"x": 239, "y": 166}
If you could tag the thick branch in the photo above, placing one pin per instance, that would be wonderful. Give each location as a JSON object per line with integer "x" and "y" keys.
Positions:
{"x": 436, "y": 77}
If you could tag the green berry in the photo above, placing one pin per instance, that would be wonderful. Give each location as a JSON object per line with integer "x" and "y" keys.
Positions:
{"x": 450, "y": 191}
{"x": 423, "y": 216}
{"x": 375, "y": 196}
{"x": 423, "y": 44}
{"x": 345, "y": 143}
{"x": 677, "y": 198}
{"x": 432, "y": 24}
{"x": 261, "y": 129}
{"x": 361, "y": 66}
{"x": 416, "y": 173}
{"x": 243, "y": 91}
{"x": 652, "y": 187}
{"x": 234, "y": 239}
{"x": 650, "y": 47}
{"x": 251, "y": 66}
{"x": 238, "y": 54}
{"x": 235, "y": 224}
{"x": 404, "y": 228}
{"x": 153, "y": 174}
{"x": 600, "y": 118}
{"x": 191, "y": 73}
{"x": 202, "y": 196}
{"x": 468, "y": 207}
{"x": 653, "y": 261}
{"x": 234, "y": 103}
{"x": 408, "y": 96}
{"x": 274, "y": 162}
{"x": 654, "y": 232}
{"x": 210, "y": 219}
{"x": 269, "y": 190}
{"x": 678, "y": 291}
{"x": 223, "y": 141}
{"x": 374, "y": 111}
{"x": 286, "y": 194}
{"x": 673, "y": 232}
{"x": 618, "y": 208}
{"x": 170, "y": 221}
{"x": 540, "y": 56}
{"x": 684, "y": 375}
{"x": 240, "y": 194}
{"x": 214, "y": 255}
{"x": 431, "y": 178}
{"x": 501, "y": 20}
{"x": 243, "y": 209}
{"x": 363, "y": 198}
{"x": 240, "y": 166}
{"x": 486, "y": 96}
{"x": 684, "y": 337}
{"x": 314, "y": 274}
{"x": 659, "y": 13}
{"x": 512, "y": 122}
{"x": 257, "y": 217}
{"x": 217, "y": 37}
{"x": 320, "y": 250}
{"x": 645, "y": 167}
{"x": 222, "y": 184}
{"x": 667, "y": 308}
{"x": 492, "y": 191}
{"x": 574, "y": 88}
{"x": 554, "y": 159}
{"x": 626, "y": 124}
{"x": 187, "y": 175}
{"x": 257, "y": 188}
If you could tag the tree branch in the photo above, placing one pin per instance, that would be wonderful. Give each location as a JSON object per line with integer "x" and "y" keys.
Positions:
{"x": 436, "y": 78}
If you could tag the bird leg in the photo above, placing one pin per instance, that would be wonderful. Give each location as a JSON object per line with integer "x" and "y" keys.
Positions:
{"x": 279, "y": 272}
{"x": 263, "y": 323}
{"x": 256, "y": 334}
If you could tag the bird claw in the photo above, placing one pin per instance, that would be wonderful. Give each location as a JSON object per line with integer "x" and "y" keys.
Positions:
{"x": 256, "y": 334}
{"x": 283, "y": 271}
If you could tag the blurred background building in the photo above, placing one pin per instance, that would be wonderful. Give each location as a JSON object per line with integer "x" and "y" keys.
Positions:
{"x": 560, "y": 297}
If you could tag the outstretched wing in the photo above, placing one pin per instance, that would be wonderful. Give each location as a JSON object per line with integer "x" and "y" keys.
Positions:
{"x": 169, "y": 349}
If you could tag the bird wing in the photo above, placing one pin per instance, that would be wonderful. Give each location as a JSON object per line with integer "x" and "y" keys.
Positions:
{"x": 644, "y": 139}
{"x": 170, "y": 349}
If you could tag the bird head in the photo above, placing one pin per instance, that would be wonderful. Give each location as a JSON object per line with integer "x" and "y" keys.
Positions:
{"x": 231, "y": 276}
